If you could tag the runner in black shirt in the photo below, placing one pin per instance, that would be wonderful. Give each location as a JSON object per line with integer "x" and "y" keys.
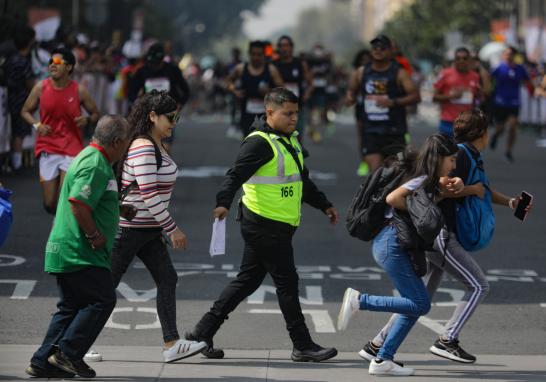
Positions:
{"x": 156, "y": 74}
{"x": 250, "y": 82}
{"x": 296, "y": 76}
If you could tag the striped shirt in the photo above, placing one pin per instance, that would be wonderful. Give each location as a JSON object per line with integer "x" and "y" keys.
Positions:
{"x": 155, "y": 186}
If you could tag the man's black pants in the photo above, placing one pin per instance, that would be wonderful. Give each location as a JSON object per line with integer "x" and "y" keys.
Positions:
{"x": 267, "y": 250}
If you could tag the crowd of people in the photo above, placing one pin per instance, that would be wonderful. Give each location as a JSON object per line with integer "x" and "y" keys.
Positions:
{"x": 107, "y": 215}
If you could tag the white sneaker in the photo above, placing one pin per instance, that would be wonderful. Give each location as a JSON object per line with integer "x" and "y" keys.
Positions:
{"x": 349, "y": 306}
{"x": 388, "y": 367}
{"x": 183, "y": 349}
{"x": 92, "y": 356}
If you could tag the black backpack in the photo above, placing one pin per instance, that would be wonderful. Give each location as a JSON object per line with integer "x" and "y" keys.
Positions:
{"x": 366, "y": 214}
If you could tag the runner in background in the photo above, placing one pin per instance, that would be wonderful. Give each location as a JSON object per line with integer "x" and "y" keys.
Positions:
{"x": 321, "y": 68}
{"x": 362, "y": 58}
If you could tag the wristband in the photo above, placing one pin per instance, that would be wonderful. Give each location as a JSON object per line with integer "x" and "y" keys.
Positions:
{"x": 511, "y": 203}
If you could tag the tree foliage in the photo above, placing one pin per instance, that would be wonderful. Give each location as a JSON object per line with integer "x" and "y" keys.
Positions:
{"x": 419, "y": 28}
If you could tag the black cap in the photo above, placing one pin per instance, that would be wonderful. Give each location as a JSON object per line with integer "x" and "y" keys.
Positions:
{"x": 383, "y": 39}
{"x": 156, "y": 53}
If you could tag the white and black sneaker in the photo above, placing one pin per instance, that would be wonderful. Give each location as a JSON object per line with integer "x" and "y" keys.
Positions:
{"x": 369, "y": 353}
{"x": 451, "y": 350}
{"x": 183, "y": 349}
{"x": 387, "y": 367}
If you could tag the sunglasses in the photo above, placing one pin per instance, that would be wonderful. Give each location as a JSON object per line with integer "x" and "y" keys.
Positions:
{"x": 379, "y": 46}
{"x": 57, "y": 61}
{"x": 173, "y": 118}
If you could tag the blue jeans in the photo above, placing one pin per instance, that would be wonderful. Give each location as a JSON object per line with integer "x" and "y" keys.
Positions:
{"x": 86, "y": 299}
{"x": 446, "y": 128}
{"x": 413, "y": 301}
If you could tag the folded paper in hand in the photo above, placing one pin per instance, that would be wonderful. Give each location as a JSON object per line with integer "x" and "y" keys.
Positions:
{"x": 218, "y": 240}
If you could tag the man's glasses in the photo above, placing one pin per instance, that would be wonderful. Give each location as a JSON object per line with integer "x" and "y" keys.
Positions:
{"x": 173, "y": 117}
{"x": 57, "y": 61}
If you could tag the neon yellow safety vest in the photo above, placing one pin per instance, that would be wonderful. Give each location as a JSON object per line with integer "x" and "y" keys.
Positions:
{"x": 275, "y": 190}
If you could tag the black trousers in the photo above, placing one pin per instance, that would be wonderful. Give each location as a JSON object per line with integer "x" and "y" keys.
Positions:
{"x": 86, "y": 299}
{"x": 267, "y": 250}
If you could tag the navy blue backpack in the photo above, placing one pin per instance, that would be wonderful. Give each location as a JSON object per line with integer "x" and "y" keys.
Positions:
{"x": 475, "y": 218}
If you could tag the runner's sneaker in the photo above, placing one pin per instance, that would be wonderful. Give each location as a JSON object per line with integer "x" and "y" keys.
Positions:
{"x": 369, "y": 353}
{"x": 363, "y": 169}
{"x": 388, "y": 367}
{"x": 92, "y": 356}
{"x": 183, "y": 349}
{"x": 451, "y": 350}
{"x": 349, "y": 306}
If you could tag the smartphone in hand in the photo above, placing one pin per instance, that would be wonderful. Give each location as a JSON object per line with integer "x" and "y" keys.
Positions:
{"x": 526, "y": 199}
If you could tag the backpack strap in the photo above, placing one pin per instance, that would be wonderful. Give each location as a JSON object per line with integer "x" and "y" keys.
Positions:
{"x": 158, "y": 160}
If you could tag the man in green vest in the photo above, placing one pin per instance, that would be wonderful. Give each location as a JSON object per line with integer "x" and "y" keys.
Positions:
{"x": 78, "y": 254}
{"x": 275, "y": 182}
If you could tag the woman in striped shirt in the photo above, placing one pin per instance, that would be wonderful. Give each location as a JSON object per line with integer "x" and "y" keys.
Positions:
{"x": 148, "y": 175}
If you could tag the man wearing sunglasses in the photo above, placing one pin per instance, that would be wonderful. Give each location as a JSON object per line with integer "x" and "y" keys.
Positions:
{"x": 60, "y": 124}
{"x": 456, "y": 89}
{"x": 387, "y": 89}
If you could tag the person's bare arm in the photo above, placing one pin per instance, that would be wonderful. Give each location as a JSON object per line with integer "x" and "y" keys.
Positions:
{"x": 412, "y": 92}
{"x": 354, "y": 86}
{"x": 308, "y": 79}
{"x": 276, "y": 76}
{"x": 30, "y": 106}
{"x": 89, "y": 105}
{"x": 232, "y": 78}
{"x": 397, "y": 198}
{"x": 84, "y": 217}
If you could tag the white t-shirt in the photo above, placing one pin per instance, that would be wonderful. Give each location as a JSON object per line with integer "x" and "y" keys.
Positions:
{"x": 410, "y": 185}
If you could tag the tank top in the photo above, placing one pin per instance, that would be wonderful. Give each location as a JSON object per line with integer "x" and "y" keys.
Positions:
{"x": 375, "y": 85}
{"x": 321, "y": 68}
{"x": 58, "y": 108}
{"x": 292, "y": 75}
{"x": 253, "y": 102}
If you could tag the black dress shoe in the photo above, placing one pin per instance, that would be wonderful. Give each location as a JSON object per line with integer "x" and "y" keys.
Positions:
{"x": 78, "y": 367}
{"x": 313, "y": 353}
{"x": 209, "y": 351}
{"x": 50, "y": 372}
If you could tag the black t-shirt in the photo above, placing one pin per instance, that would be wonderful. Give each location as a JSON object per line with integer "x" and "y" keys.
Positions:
{"x": 166, "y": 77}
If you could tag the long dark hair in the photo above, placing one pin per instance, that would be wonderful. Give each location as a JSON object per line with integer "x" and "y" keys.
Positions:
{"x": 429, "y": 160}
{"x": 139, "y": 117}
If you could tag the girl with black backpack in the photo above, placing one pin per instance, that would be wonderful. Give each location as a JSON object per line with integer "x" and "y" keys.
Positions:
{"x": 449, "y": 255}
{"x": 435, "y": 161}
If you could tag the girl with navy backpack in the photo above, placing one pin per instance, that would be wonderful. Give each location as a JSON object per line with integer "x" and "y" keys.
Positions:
{"x": 451, "y": 249}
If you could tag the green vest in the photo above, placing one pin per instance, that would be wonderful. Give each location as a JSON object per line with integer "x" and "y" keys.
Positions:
{"x": 275, "y": 190}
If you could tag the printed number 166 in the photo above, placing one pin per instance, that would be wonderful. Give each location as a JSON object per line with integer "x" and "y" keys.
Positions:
{"x": 287, "y": 191}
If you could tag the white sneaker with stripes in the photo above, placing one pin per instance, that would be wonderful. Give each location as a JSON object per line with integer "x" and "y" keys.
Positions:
{"x": 183, "y": 349}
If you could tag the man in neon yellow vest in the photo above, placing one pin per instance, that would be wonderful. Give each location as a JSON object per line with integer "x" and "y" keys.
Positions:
{"x": 275, "y": 181}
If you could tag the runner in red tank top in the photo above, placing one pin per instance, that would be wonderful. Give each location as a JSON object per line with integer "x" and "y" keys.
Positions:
{"x": 59, "y": 128}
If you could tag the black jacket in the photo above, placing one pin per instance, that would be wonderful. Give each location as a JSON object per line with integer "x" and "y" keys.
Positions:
{"x": 253, "y": 154}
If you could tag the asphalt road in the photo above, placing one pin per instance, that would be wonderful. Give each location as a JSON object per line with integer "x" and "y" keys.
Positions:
{"x": 512, "y": 319}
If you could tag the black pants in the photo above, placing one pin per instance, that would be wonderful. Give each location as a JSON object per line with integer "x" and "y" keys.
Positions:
{"x": 267, "y": 250}
{"x": 148, "y": 246}
{"x": 87, "y": 298}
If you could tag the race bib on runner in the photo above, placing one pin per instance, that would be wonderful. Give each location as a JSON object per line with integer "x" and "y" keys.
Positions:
{"x": 375, "y": 112}
{"x": 255, "y": 106}
{"x": 158, "y": 83}
{"x": 319, "y": 82}
{"x": 293, "y": 87}
{"x": 467, "y": 98}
